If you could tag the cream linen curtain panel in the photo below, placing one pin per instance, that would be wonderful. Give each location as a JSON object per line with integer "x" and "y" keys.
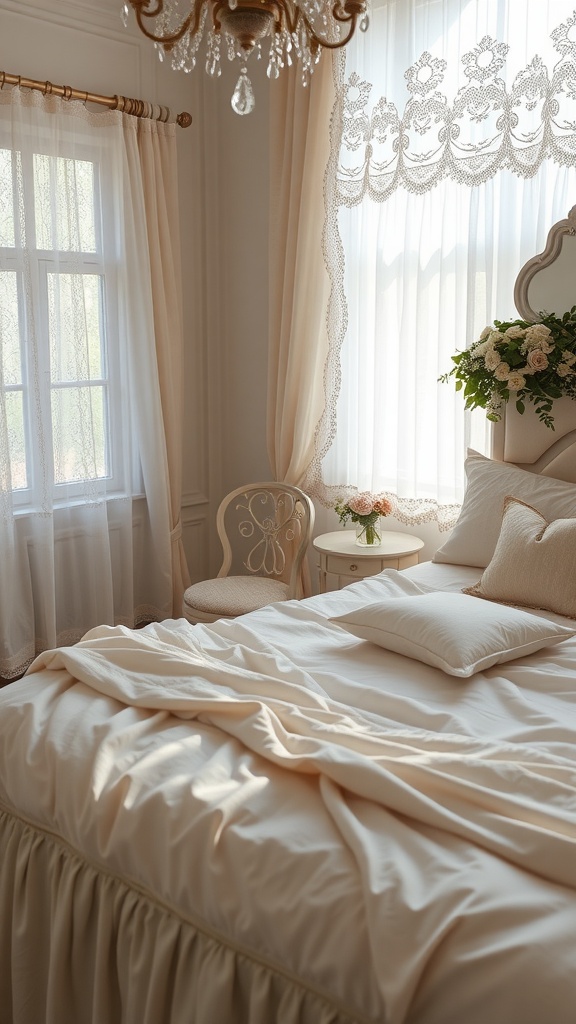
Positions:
{"x": 90, "y": 374}
{"x": 299, "y": 284}
{"x": 157, "y": 161}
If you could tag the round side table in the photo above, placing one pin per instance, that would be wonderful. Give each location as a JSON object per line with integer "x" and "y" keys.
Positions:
{"x": 340, "y": 560}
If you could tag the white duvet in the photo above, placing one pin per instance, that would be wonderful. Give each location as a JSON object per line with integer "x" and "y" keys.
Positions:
{"x": 353, "y": 835}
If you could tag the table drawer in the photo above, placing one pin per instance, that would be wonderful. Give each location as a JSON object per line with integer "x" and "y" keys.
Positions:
{"x": 355, "y": 566}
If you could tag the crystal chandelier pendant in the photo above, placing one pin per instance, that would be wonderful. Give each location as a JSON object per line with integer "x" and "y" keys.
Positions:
{"x": 243, "y": 96}
{"x": 293, "y": 31}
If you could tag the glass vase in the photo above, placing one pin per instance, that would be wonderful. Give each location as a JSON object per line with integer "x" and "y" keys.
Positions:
{"x": 369, "y": 535}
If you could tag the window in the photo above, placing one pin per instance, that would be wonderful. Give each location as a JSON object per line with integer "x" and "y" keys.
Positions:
{"x": 86, "y": 313}
{"x": 455, "y": 156}
{"x": 59, "y": 351}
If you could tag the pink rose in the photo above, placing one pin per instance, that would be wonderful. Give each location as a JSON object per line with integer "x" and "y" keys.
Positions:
{"x": 361, "y": 504}
{"x": 537, "y": 359}
{"x": 382, "y": 506}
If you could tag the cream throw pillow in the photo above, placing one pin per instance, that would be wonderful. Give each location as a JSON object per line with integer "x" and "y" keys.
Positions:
{"x": 534, "y": 562}
{"x": 474, "y": 537}
{"x": 453, "y": 632}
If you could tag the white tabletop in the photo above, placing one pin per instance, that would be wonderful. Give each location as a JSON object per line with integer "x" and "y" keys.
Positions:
{"x": 343, "y": 542}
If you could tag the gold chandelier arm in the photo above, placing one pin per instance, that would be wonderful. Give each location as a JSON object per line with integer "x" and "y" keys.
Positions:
{"x": 191, "y": 23}
{"x": 349, "y": 12}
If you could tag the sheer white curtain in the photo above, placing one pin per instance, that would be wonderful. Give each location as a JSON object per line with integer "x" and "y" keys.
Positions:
{"x": 85, "y": 525}
{"x": 455, "y": 153}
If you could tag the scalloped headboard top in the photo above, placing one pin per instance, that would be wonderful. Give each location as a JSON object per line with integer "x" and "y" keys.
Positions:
{"x": 546, "y": 283}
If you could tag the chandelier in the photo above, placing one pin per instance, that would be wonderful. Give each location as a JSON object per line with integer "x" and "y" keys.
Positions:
{"x": 291, "y": 30}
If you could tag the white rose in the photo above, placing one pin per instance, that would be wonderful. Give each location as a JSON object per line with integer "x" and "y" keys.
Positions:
{"x": 516, "y": 381}
{"x": 537, "y": 336}
{"x": 501, "y": 371}
{"x": 515, "y": 331}
{"x": 492, "y": 359}
{"x": 563, "y": 370}
{"x": 537, "y": 331}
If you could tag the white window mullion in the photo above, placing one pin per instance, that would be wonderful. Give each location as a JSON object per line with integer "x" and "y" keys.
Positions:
{"x": 39, "y": 375}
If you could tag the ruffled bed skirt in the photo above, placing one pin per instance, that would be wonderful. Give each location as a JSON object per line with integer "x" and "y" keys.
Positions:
{"x": 79, "y": 946}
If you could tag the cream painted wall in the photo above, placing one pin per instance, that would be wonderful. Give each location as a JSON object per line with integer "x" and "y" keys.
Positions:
{"x": 238, "y": 263}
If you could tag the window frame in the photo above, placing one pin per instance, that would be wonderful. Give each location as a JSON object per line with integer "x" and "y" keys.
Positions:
{"x": 37, "y": 386}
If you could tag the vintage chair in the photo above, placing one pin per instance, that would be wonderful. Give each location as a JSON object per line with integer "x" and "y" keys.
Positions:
{"x": 264, "y": 529}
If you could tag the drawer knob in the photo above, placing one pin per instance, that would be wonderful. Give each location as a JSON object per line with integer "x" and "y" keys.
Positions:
{"x": 353, "y": 567}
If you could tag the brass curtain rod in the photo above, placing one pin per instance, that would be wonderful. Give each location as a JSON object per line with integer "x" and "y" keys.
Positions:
{"x": 139, "y": 108}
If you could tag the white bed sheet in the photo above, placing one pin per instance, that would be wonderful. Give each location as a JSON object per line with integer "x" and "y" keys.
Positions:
{"x": 379, "y": 842}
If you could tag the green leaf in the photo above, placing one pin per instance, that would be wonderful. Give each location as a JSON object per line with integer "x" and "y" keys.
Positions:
{"x": 543, "y": 387}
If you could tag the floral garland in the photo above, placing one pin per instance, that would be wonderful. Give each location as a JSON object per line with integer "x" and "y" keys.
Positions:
{"x": 532, "y": 362}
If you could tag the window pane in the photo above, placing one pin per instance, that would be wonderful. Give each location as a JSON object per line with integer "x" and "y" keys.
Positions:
{"x": 75, "y": 328}
{"x": 64, "y": 204}
{"x": 6, "y": 199}
{"x": 16, "y": 441}
{"x": 9, "y": 329}
{"x": 79, "y": 435}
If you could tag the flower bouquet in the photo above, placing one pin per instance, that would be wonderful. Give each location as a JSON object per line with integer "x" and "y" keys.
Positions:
{"x": 365, "y": 510}
{"x": 519, "y": 360}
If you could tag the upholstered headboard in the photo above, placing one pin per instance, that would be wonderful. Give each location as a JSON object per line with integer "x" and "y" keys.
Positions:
{"x": 546, "y": 283}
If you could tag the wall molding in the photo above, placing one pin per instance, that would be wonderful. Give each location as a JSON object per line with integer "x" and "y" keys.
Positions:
{"x": 191, "y": 499}
{"x": 76, "y": 14}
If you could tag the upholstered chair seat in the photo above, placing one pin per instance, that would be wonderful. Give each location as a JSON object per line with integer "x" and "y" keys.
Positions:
{"x": 264, "y": 529}
{"x": 230, "y": 596}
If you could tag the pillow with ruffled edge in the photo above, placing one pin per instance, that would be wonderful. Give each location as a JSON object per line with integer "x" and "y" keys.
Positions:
{"x": 474, "y": 537}
{"x": 453, "y": 632}
{"x": 534, "y": 563}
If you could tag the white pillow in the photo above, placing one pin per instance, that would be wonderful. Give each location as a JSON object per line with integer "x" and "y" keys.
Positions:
{"x": 534, "y": 563}
{"x": 454, "y": 632}
{"x": 474, "y": 537}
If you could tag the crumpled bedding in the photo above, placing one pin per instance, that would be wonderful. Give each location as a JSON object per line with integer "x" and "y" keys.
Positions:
{"x": 383, "y": 841}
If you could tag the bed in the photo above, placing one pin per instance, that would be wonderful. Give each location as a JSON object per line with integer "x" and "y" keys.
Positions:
{"x": 351, "y": 809}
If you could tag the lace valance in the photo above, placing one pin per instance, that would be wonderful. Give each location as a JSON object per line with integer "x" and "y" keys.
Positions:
{"x": 486, "y": 127}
